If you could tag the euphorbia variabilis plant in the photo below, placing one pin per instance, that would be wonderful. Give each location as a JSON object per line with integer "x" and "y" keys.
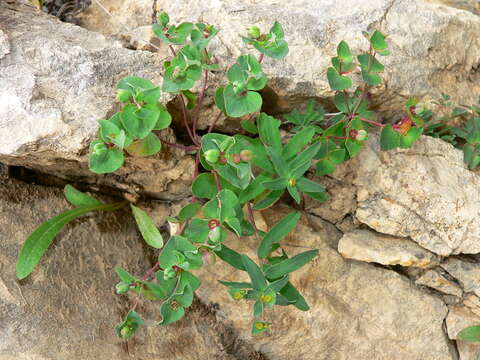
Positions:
{"x": 234, "y": 175}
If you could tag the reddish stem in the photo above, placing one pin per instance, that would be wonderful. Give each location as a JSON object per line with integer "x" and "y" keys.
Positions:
{"x": 200, "y": 102}
{"x": 217, "y": 181}
{"x": 172, "y": 50}
{"x": 260, "y": 58}
{"x": 372, "y": 122}
{"x": 185, "y": 121}
{"x": 151, "y": 271}
{"x": 214, "y": 123}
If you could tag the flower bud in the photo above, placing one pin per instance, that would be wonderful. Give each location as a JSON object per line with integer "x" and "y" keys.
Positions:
{"x": 261, "y": 325}
{"x": 213, "y": 223}
{"x": 122, "y": 287}
{"x": 212, "y": 155}
{"x": 246, "y": 155}
{"x": 253, "y": 32}
{"x": 403, "y": 125}
{"x": 292, "y": 182}
{"x": 237, "y": 294}
{"x": 126, "y": 332}
{"x": 123, "y": 95}
{"x": 266, "y": 298}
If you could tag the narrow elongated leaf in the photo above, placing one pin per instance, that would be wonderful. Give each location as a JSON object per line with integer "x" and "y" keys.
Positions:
{"x": 236, "y": 285}
{"x": 147, "y": 227}
{"x": 39, "y": 241}
{"x": 308, "y": 186}
{"x": 294, "y": 297}
{"x": 78, "y": 198}
{"x": 290, "y": 265}
{"x": 298, "y": 142}
{"x": 269, "y": 131}
{"x": 277, "y": 233}
{"x": 231, "y": 257}
{"x": 270, "y": 199}
{"x": 258, "y": 279}
{"x": 471, "y": 334}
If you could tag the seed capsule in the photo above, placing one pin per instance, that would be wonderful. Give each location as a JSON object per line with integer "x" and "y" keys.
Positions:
{"x": 292, "y": 182}
{"x": 215, "y": 234}
{"x": 246, "y": 155}
{"x": 122, "y": 287}
{"x": 212, "y": 155}
{"x": 362, "y": 135}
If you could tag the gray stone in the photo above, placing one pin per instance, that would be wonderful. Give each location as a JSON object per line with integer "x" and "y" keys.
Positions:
{"x": 366, "y": 245}
{"x": 467, "y": 273}
{"x": 67, "y": 308}
{"x": 459, "y": 318}
{"x": 438, "y": 281}
{"x": 425, "y": 193}
{"x": 356, "y": 310}
{"x": 55, "y": 88}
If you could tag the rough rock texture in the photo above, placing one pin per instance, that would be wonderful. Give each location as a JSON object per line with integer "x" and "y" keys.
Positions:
{"x": 425, "y": 193}
{"x": 55, "y": 88}
{"x": 357, "y": 310}
{"x": 365, "y": 245}
{"x": 459, "y": 318}
{"x": 438, "y": 281}
{"x": 67, "y": 308}
{"x": 467, "y": 273}
{"x": 469, "y": 5}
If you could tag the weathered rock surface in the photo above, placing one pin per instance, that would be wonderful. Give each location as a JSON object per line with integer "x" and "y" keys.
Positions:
{"x": 55, "y": 88}
{"x": 425, "y": 193}
{"x": 357, "y": 310}
{"x": 67, "y": 308}
{"x": 365, "y": 245}
{"x": 467, "y": 273}
{"x": 458, "y": 318}
{"x": 438, "y": 281}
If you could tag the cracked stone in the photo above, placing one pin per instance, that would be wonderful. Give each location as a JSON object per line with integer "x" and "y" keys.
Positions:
{"x": 458, "y": 318}
{"x": 425, "y": 193}
{"x": 467, "y": 273}
{"x": 436, "y": 280}
{"x": 366, "y": 245}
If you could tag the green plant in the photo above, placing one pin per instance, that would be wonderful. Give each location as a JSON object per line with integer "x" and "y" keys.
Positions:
{"x": 234, "y": 175}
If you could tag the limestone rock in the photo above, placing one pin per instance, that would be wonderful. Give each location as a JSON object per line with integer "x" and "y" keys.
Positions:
{"x": 473, "y": 303}
{"x": 425, "y": 193}
{"x": 67, "y": 308}
{"x": 469, "y": 5}
{"x": 55, "y": 88}
{"x": 429, "y": 55}
{"x": 458, "y": 318}
{"x": 365, "y": 245}
{"x": 438, "y": 281}
{"x": 352, "y": 306}
{"x": 467, "y": 273}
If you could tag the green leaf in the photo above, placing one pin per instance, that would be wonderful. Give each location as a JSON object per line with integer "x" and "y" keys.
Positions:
{"x": 309, "y": 186}
{"x": 301, "y": 163}
{"x": 39, "y": 240}
{"x": 371, "y": 79}
{"x": 269, "y": 131}
{"x": 254, "y": 189}
{"x": 290, "y": 265}
{"x": 148, "y": 146}
{"x": 139, "y": 122}
{"x": 294, "y": 297}
{"x": 370, "y": 63}
{"x": 204, "y": 186}
{"x": 270, "y": 198}
{"x": 243, "y": 103}
{"x": 353, "y": 146}
{"x": 164, "y": 119}
{"x": 389, "y": 138}
{"x": 293, "y": 191}
{"x": 337, "y": 81}
{"x": 277, "y": 184}
{"x": 231, "y": 257}
{"x": 78, "y": 198}
{"x": 125, "y": 276}
{"x": 236, "y": 285}
{"x": 249, "y": 126}
{"x": 378, "y": 41}
{"x": 147, "y": 227}
{"x": 410, "y": 137}
{"x": 107, "y": 162}
{"x": 344, "y": 53}
{"x": 258, "y": 279}
{"x": 470, "y": 334}
{"x": 189, "y": 211}
{"x": 298, "y": 142}
{"x": 277, "y": 233}
{"x": 170, "y": 314}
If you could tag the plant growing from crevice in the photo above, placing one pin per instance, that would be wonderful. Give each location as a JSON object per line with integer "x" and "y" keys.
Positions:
{"x": 234, "y": 175}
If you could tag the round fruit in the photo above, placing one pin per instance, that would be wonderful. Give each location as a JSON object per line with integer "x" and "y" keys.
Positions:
{"x": 212, "y": 155}
{"x": 246, "y": 155}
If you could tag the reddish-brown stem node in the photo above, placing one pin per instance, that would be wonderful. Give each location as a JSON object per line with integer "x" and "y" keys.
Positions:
{"x": 178, "y": 146}
{"x": 172, "y": 50}
{"x": 260, "y": 58}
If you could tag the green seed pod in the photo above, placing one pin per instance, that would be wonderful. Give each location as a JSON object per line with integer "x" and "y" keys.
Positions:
{"x": 246, "y": 155}
{"x": 122, "y": 287}
{"x": 212, "y": 155}
{"x": 123, "y": 95}
{"x": 361, "y": 135}
{"x": 215, "y": 234}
